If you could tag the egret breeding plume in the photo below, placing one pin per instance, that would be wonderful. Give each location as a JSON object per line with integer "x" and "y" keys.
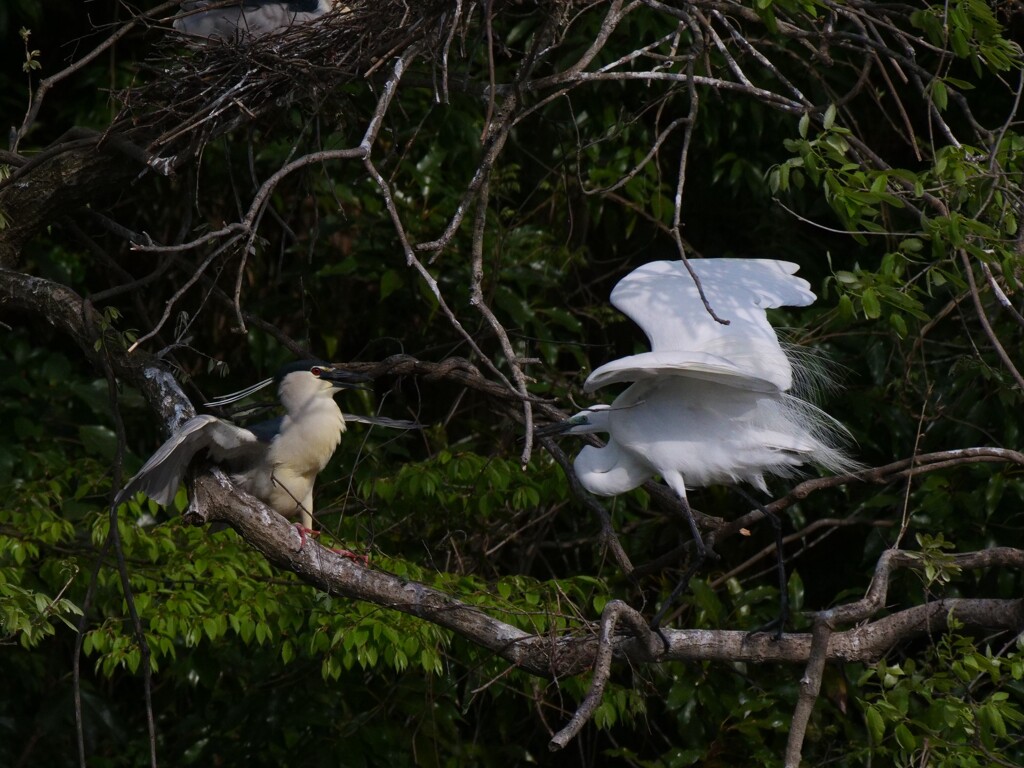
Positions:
{"x": 711, "y": 402}
{"x": 233, "y": 19}
{"x": 277, "y": 461}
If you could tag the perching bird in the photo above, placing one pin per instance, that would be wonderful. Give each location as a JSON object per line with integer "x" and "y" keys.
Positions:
{"x": 710, "y": 403}
{"x": 277, "y": 461}
{"x": 233, "y": 19}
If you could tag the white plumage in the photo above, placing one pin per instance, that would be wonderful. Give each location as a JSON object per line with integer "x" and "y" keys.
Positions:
{"x": 710, "y": 403}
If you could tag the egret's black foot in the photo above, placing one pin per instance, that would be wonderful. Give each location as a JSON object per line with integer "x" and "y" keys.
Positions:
{"x": 776, "y": 626}
{"x": 661, "y": 633}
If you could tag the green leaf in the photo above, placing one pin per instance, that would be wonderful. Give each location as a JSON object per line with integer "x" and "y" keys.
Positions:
{"x": 872, "y": 307}
{"x": 876, "y": 725}
{"x": 905, "y": 738}
{"x": 390, "y": 282}
{"x": 830, "y": 117}
{"x": 845, "y": 307}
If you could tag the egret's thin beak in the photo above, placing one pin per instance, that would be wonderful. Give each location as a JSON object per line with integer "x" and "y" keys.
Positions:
{"x": 553, "y": 430}
{"x": 345, "y": 379}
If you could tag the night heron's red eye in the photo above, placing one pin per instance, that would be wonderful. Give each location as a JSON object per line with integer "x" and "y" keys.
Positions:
{"x": 316, "y": 371}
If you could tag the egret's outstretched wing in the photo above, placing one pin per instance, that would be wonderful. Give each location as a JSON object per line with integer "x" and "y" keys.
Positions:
{"x": 663, "y": 300}
{"x": 246, "y": 18}
{"x": 695, "y": 365}
{"x": 160, "y": 477}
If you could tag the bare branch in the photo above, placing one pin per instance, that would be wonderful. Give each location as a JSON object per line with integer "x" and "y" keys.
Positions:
{"x": 614, "y": 612}
{"x": 985, "y": 324}
{"x": 810, "y": 685}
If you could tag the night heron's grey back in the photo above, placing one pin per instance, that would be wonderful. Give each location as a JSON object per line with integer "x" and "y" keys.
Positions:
{"x": 217, "y": 19}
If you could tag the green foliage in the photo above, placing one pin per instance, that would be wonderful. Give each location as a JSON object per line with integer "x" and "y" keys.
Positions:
{"x": 29, "y": 615}
{"x": 970, "y": 29}
{"x": 959, "y": 707}
{"x": 31, "y": 55}
{"x": 253, "y": 667}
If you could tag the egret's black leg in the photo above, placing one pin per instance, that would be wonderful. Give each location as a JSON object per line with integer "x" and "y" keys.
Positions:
{"x": 703, "y": 553}
{"x": 779, "y": 622}
{"x": 684, "y": 582}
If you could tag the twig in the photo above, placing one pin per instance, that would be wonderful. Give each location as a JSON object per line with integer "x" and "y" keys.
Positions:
{"x": 913, "y": 466}
{"x": 1000, "y": 295}
{"x": 614, "y": 612}
{"x": 892, "y": 559}
{"x": 476, "y": 300}
{"x": 983, "y": 319}
{"x": 608, "y": 535}
{"x": 810, "y": 686}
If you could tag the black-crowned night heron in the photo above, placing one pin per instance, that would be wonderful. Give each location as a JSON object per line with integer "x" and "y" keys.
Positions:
{"x": 277, "y": 461}
{"x": 232, "y": 19}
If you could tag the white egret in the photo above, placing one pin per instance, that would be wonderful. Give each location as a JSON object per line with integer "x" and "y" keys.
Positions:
{"x": 711, "y": 402}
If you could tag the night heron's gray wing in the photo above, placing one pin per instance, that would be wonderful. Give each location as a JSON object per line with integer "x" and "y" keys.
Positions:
{"x": 160, "y": 477}
{"x": 249, "y": 18}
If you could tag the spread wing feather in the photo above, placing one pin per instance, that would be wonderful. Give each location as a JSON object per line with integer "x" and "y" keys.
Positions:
{"x": 160, "y": 477}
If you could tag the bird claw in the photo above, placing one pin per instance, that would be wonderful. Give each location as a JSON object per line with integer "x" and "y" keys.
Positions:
{"x": 363, "y": 560}
{"x": 662, "y": 636}
{"x": 303, "y": 533}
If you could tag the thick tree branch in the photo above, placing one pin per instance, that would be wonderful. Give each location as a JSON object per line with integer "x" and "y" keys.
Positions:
{"x": 573, "y": 652}
{"x": 69, "y": 313}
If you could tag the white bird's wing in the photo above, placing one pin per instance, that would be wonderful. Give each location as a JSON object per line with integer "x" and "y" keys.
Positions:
{"x": 663, "y": 300}
{"x": 161, "y": 475}
{"x": 695, "y": 365}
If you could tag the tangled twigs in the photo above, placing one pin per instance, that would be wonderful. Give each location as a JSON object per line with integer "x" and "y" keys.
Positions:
{"x": 887, "y": 473}
{"x": 613, "y": 613}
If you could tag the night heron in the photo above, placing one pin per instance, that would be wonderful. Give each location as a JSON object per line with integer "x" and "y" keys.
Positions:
{"x": 233, "y": 19}
{"x": 277, "y": 461}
